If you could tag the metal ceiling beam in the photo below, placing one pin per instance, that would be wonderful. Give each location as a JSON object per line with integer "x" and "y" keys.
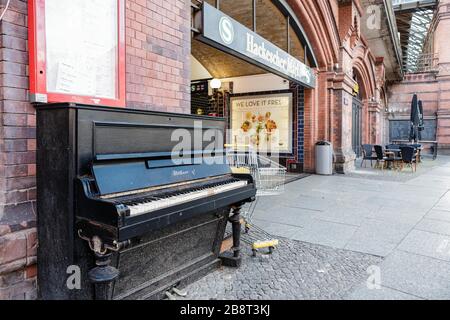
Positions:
{"x": 413, "y": 5}
{"x": 413, "y": 21}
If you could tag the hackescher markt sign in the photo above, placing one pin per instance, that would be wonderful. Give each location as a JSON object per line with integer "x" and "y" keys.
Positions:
{"x": 225, "y": 33}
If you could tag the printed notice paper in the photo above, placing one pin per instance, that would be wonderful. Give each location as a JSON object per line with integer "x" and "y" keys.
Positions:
{"x": 82, "y": 44}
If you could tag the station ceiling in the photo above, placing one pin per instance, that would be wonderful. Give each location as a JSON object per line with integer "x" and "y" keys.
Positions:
{"x": 413, "y": 22}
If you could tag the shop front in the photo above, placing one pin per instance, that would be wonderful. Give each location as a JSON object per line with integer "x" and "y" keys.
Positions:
{"x": 251, "y": 64}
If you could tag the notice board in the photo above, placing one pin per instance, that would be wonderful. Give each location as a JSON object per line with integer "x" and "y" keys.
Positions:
{"x": 77, "y": 51}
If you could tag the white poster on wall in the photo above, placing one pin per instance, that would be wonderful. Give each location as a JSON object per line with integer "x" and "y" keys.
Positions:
{"x": 263, "y": 122}
{"x": 82, "y": 47}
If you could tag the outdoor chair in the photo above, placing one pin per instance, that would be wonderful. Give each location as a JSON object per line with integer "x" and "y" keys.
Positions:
{"x": 381, "y": 158}
{"x": 418, "y": 149}
{"x": 409, "y": 158}
{"x": 368, "y": 155}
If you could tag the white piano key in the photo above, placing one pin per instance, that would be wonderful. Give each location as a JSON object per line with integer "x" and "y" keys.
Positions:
{"x": 147, "y": 207}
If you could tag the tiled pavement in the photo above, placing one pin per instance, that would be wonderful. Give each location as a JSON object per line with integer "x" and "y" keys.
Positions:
{"x": 399, "y": 222}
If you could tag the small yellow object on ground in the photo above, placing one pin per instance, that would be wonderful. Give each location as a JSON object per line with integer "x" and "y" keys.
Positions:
{"x": 265, "y": 244}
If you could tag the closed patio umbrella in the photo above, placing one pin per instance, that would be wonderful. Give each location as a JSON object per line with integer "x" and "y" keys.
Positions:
{"x": 421, "y": 120}
{"x": 415, "y": 119}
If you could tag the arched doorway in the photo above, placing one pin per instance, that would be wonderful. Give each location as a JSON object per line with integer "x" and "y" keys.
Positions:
{"x": 244, "y": 78}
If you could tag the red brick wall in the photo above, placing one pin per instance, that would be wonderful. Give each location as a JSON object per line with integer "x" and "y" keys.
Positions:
{"x": 400, "y": 94}
{"x": 158, "y": 55}
{"x": 434, "y": 91}
{"x": 158, "y": 78}
{"x": 435, "y": 94}
{"x": 433, "y": 88}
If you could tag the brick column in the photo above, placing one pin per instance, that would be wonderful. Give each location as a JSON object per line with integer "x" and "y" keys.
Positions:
{"x": 310, "y": 128}
{"x": 342, "y": 123}
{"x": 17, "y": 161}
{"x": 376, "y": 127}
{"x": 442, "y": 48}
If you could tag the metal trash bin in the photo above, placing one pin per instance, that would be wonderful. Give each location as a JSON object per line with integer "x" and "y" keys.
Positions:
{"x": 324, "y": 158}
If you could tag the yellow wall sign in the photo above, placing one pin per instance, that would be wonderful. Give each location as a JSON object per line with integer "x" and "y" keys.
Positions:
{"x": 356, "y": 89}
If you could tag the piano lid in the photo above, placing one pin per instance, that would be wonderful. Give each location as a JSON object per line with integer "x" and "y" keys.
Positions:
{"x": 125, "y": 176}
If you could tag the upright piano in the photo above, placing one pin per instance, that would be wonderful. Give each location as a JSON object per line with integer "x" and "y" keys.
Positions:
{"x": 132, "y": 204}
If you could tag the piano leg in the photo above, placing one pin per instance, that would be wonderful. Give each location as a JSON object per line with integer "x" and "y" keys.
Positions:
{"x": 234, "y": 259}
{"x": 103, "y": 277}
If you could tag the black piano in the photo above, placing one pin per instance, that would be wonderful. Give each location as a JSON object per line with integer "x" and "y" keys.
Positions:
{"x": 132, "y": 204}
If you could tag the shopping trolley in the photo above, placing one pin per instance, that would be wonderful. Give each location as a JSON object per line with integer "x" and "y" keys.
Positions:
{"x": 269, "y": 176}
{"x": 270, "y": 179}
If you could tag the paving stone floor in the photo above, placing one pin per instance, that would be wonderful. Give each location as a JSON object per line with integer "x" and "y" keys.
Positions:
{"x": 296, "y": 270}
{"x": 334, "y": 228}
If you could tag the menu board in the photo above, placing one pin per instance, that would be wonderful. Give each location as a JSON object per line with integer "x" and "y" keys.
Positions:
{"x": 82, "y": 47}
{"x": 263, "y": 122}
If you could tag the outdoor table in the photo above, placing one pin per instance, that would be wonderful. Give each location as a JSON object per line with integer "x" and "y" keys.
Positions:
{"x": 418, "y": 153}
{"x": 433, "y": 143}
{"x": 393, "y": 150}
{"x": 390, "y": 153}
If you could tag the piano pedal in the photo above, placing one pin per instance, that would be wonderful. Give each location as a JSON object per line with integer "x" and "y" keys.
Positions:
{"x": 178, "y": 292}
{"x": 170, "y": 296}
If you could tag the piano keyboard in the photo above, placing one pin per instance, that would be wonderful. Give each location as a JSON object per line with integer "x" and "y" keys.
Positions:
{"x": 157, "y": 203}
